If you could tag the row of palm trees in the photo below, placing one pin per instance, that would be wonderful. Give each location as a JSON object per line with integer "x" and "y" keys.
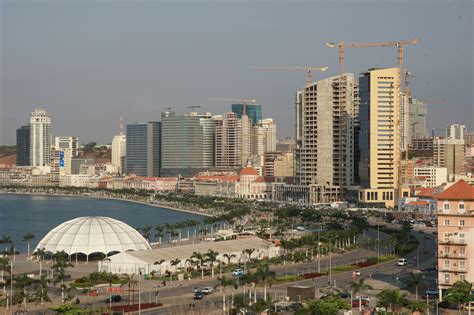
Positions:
{"x": 7, "y": 241}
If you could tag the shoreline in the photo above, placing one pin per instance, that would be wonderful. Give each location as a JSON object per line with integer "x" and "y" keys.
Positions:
{"x": 112, "y": 198}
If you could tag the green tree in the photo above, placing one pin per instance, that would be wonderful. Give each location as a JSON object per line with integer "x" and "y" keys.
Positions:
{"x": 159, "y": 233}
{"x": 41, "y": 290}
{"x": 358, "y": 286}
{"x": 211, "y": 257}
{"x": 414, "y": 281}
{"x": 459, "y": 294}
{"x": 27, "y": 238}
{"x": 6, "y": 240}
{"x": 418, "y": 306}
{"x": 199, "y": 257}
{"x": 328, "y": 306}
{"x": 40, "y": 253}
{"x": 393, "y": 299}
{"x": 146, "y": 232}
{"x": 159, "y": 262}
{"x": 229, "y": 257}
{"x": 59, "y": 266}
{"x": 4, "y": 267}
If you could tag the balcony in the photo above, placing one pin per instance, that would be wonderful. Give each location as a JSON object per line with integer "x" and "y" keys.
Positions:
{"x": 453, "y": 241}
{"x": 454, "y": 269}
{"x": 452, "y": 255}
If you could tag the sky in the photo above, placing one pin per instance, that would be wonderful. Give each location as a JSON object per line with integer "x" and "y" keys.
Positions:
{"x": 88, "y": 61}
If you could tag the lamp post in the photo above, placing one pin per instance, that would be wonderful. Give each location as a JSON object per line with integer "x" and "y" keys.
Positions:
{"x": 329, "y": 239}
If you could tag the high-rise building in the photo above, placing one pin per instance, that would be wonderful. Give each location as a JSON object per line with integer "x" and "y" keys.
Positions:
{"x": 40, "y": 138}
{"x": 228, "y": 141}
{"x": 253, "y": 111}
{"x": 187, "y": 143}
{"x": 246, "y": 140}
{"x": 71, "y": 143}
{"x": 143, "y": 148}
{"x": 456, "y": 132}
{"x": 449, "y": 153}
{"x": 23, "y": 146}
{"x": 119, "y": 147}
{"x": 264, "y": 137}
{"x": 317, "y": 132}
{"x": 78, "y": 162}
{"x": 417, "y": 120}
{"x": 379, "y": 140}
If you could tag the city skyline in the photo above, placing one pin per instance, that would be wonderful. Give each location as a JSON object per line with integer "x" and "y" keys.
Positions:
{"x": 55, "y": 61}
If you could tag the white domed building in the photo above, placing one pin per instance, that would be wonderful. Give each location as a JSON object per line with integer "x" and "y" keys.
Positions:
{"x": 91, "y": 235}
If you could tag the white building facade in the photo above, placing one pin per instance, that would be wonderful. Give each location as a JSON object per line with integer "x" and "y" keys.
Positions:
{"x": 40, "y": 138}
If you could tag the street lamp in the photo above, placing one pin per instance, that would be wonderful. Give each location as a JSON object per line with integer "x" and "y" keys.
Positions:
{"x": 330, "y": 255}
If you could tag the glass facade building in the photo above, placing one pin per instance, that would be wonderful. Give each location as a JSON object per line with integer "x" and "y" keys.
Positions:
{"x": 254, "y": 111}
{"x": 143, "y": 148}
{"x": 23, "y": 146}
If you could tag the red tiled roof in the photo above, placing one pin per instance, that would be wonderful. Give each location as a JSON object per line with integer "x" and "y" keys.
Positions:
{"x": 424, "y": 192}
{"x": 418, "y": 203}
{"x": 260, "y": 179}
{"x": 249, "y": 171}
{"x": 224, "y": 178}
{"x": 459, "y": 191}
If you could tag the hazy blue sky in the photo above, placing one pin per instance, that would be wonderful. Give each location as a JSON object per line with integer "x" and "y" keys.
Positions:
{"x": 87, "y": 61}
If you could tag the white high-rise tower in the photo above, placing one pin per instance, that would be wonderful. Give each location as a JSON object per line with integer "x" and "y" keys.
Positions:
{"x": 119, "y": 146}
{"x": 40, "y": 138}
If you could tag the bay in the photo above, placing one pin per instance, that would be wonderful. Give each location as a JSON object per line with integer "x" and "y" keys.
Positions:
{"x": 38, "y": 214}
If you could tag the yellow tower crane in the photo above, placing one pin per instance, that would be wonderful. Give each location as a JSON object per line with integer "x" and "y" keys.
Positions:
{"x": 341, "y": 102}
{"x": 308, "y": 69}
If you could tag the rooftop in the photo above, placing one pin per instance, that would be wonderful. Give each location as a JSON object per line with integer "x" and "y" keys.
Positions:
{"x": 459, "y": 191}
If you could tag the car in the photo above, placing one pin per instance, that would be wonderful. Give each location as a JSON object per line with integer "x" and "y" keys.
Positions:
{"x": 207, "y": 290}
{"x": 402, "y": 262}
{"x": 345, "y": 295}
{"x": 93, "y": 293}
{"x": 428, "y": 269}
{"x": 238, "y": 273}
{"x": 198, "y": 295}
{"x": 300, "y": 228}
{"x": 195, "y": 289}
{"x": 426, "y": 251}
{"x": 357, "y": 272}
{"x": 113, "y": 299}
{"x": 432, "y": 292}
{"x": 355, "y": 303}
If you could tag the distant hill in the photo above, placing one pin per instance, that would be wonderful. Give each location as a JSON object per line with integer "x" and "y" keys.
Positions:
{"x": 8, "y": 155}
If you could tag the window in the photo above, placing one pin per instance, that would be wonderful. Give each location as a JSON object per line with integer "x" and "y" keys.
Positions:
{"x": 462, "y": 251}
{"x": 462, "y": 265}
{"x": 461, "y": 207}
{"x": 446, "y": 222}
{"x": 446, "y": 278}
{"x": 461, "y": 238}
{"x": 461, "y": 222}
{"x": 446, "y": 264}
{"x": 446, "y": 249}
{"x": 446, "y": 206}
{"x": 462, "y": 277}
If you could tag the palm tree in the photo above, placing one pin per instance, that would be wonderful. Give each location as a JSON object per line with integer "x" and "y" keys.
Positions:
{"x": 358, "y": 286}
{"x": 40, "y": 252}
{"x": 393, "y": 299}
{"x": 169, "y": 230}
{"x": 414, "y": 281}
{"x": 175, "y": 263}
{"x": 41, "y": 292}
{"x": 131, "y": 282}
{"x": 7, "y": 240}
{"x": 223, "y": 282}
{"x": 146, "y": 232}
{"x": 159, "y": 264}
{"x": 27, "y": 238}
{"x": 199, "y": 257}
{"x": 229, "y": 257}
{"x": 4, "y": 266}
{"x": 60, "y": 265}
{"x": 211, "y": 257}
{"x": 159, "y": 232}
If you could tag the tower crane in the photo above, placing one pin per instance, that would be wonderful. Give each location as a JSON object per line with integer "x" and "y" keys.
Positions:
{"x": 408, "y": 74}
{"x": 341, "y": 108}
{"x": 308, "y": 69}
{"x": 193, "y": 107}
{"x": 240, "y": 100}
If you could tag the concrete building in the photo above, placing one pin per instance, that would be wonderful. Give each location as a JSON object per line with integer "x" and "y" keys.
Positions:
{"x": 71, "y": 143}
{"x": 40, "y": 137}
{"x": 23, "y": 146}
{"x": 77, "y": 162}
{"x": 246, "y": 139}
{"x": 455, "y": 233}
{"x": 449, "y": 153}
{"x": 268, "y": 163}
{"x": 417, "y": 120}
{"x": 317, "y": 132}
{"x": 228, "y": 141}
{"x": 456, "y": 132}
{"x": 432, "y": 176}
{"x": 119, "y": 151}
{"x": 143, "y": 148}
{"x": 187, "y": 143}
{"x": 264, "y": 137}
{"x": 283, "y": 165}
{"x": 380, "y": 136}
{"x": 253, "y": 111}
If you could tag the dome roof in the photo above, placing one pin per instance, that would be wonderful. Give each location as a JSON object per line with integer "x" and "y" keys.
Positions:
{"x": 248, "y": 171}
{"x": 89, "y": 235}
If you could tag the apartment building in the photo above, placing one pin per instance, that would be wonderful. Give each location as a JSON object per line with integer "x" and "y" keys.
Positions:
{"x": 455, "y": 235}
{"x": 431, "y": 176}
{"x": 228, "y": 141}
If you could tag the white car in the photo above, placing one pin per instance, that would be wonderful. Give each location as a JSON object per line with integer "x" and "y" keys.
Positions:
{"x": 238, "y": 273}
{"x": 207, "y": 290}
{"x": 358, "y": 273}
{"x": 402, "y": 262}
